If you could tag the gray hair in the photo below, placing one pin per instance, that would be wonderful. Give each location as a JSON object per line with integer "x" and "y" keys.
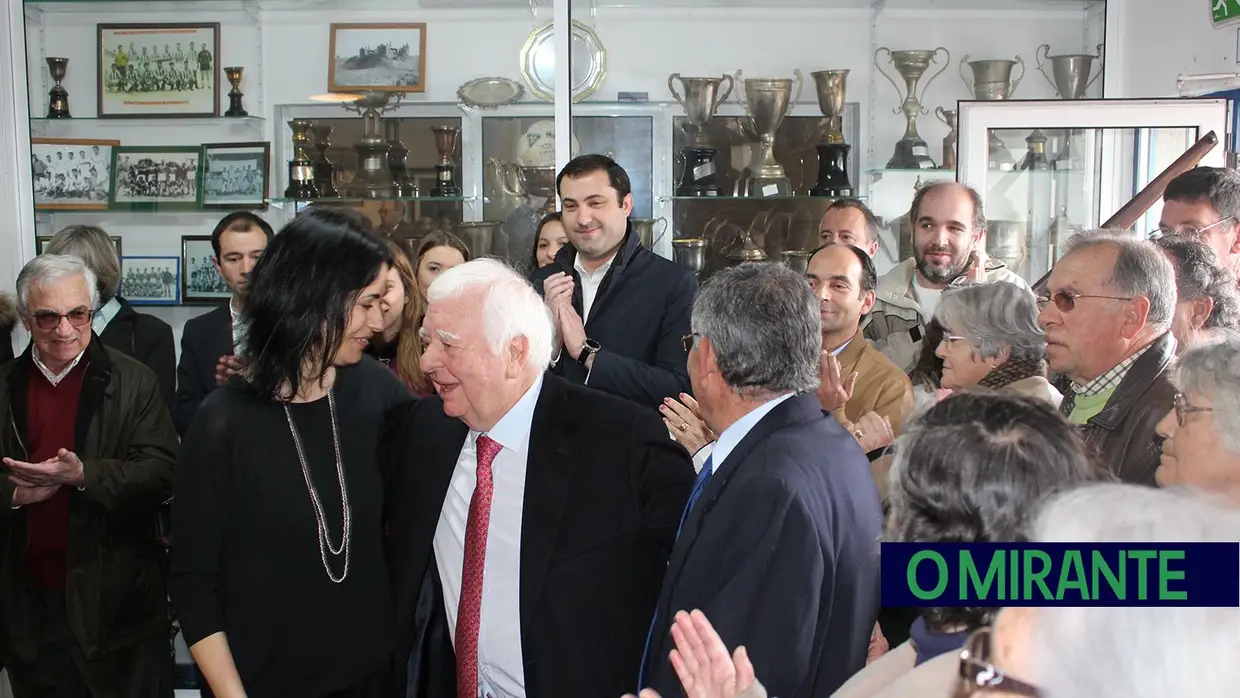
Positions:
{"x": 94, "y": 246}
{"x": 1198, "y": 274}
{"x": 1141, "y": 269}
{"x": 48, "y": 269}
{"x": 1136, "y": 652}
{"x": 1212, "y": 369}
{"x": 511, "y": 307}
{"x": 764, "y": 324}
{"x": 994, "y": 316}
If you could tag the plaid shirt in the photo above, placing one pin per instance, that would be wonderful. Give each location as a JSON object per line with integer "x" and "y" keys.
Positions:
{"x": 1109, "y": 380}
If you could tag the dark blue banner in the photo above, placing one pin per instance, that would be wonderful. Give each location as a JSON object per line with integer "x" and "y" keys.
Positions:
{"x": 1061, "y": 574}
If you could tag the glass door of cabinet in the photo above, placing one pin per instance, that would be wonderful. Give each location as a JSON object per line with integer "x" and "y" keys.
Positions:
{"x": 1048, "y": 169}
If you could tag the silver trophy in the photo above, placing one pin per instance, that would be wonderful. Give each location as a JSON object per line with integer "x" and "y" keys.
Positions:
{"x": 833, "y": 154}
{"x": 690, "y": 253}
{"x": 911, "y": 150}
{"x": 948, "y": 116}
{"x": 701, "y": 98}
{"x": 373, "y": 179}
{"x": 1071, "y": 71}
{"x": 767, "y": 101}
{"x": 992, "y": 81}
{"x": 646, "y": 230}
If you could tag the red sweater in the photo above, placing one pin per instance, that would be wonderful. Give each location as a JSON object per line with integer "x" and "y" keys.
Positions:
{"x": 52, "y": 416}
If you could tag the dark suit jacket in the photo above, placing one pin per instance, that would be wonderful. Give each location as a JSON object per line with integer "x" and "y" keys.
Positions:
{"x": 147, "y": 339}
{"x": 781, "y": 552}
{"x": 639, "y": 315}
{"x": 203, "y": 341}
{"x": 604, "y": 491}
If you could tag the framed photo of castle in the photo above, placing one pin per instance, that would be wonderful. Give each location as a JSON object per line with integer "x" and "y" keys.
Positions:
{"x": 377, "y": 57}
{"x": 158, "y": 70}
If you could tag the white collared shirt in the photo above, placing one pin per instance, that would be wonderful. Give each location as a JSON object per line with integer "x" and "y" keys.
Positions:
{"x": 733, "y": 435}
{"x": 501, "y": 668}
{"x": 54, "y": 378}
{"x": 590, "y": 282}
{"x": 104, "y": 315}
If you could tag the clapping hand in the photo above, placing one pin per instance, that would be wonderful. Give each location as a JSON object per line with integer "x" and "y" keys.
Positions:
{"x": 684, "y": 420}
{"x": 227, "y": 367}
{"x": 702, "y": 662}
{"x": 873, "y": 431}
{"x": 63, "y": 469}
{"x": 834, "y": 391}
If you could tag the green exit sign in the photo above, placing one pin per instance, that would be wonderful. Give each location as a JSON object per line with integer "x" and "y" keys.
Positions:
{"x": 1225, "y": 10}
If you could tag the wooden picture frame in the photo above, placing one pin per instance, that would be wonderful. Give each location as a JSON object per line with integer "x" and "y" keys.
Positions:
{"x": 155, "y": 82}
{"x": 241, "y": 194}
{"x": 151, "y": 280}
{"x": 359, "y": 67}
{"x": 201, "y": 282}
{"x": 55, "y": 190}
{"x": 41, "y": 242}
{"x": 154, "y": 178}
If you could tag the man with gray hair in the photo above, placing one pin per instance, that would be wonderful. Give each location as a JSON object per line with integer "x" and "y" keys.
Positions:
{"x": 1204, "y": 204}
{"x": 563, "y": 498}
{"x": 1207, "y": 299}
{"x": 779, "y": 545}
{"x": 89, "y": 451}
{"x": 1107, "y": 315}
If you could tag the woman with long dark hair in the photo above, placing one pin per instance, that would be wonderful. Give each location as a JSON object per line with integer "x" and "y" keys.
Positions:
{"x": 403, "y": 306}
{"x": 278, "y": 574}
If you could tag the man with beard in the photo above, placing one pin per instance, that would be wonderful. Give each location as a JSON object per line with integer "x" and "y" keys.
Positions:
{"x": 948, "y": 229}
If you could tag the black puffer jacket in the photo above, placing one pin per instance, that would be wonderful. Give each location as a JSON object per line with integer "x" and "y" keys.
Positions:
{"x": 8, "y": 320}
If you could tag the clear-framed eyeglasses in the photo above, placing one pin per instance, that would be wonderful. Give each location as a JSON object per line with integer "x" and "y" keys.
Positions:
{"x": 979, "y": 676}
{"x": 1189, "y": 231}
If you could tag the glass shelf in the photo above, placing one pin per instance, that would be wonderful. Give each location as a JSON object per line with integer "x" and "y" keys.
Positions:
{"x": 146, "y": 120}
{"x": 794, "y": 197}
{"x": 358, "y": 199}
{"x": 896, "y": 172}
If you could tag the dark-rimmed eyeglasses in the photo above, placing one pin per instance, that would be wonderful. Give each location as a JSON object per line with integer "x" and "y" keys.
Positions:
{"x": 1066, "y": 302}
{"x": 48, "y": 320}
{"x": 688, "y": 340}
{"x": 978, "y": 675}
{"x": 1183, "y": 409}
{"x": 1188, "y": 231}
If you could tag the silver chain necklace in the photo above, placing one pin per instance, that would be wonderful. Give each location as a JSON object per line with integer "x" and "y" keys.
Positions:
{"x": 325, "y": 543}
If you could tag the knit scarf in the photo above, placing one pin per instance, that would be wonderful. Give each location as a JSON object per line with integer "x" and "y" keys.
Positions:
{"x": 1011, "y": 371}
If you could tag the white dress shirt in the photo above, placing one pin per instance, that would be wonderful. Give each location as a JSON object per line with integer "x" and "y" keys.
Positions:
{"x": 733, "y": 435}
{"x": 104, "y": 315}
{"x": 55, "y": 378}
{"x": 590, "y": 281}
{"x": 501, "y": 672}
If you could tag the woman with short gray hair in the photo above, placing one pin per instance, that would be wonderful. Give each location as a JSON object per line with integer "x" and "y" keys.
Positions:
{"x": 991, "y": 339}
{"x": 1201, "y": 433}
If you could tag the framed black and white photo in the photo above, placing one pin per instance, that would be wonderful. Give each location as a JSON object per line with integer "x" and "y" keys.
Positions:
{"x": 377, "y": 57}
{"x": 156, "y": 177}
{"x": 151, "y": 280}
{"x": 200, "y": 280}
{"x": 235, "y": 175}
{"x": 158, "y": 70}
{"x": 42, "y": 241}
{"x": 71, "y": 174}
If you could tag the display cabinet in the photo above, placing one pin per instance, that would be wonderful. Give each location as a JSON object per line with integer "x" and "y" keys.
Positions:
{"x": 1077, "y": 162}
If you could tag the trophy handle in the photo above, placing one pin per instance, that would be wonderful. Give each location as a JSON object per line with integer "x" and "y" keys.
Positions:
{"x": 680, "y": 163}
{"x": 938, "y": 114}
{"x": 746, "y": 121}
{"x": 727, "y": 92}
{"x": 660, "y": 225}
{"x": 890, "y": 79}
{"x": 926, "y": 85}
{"x": 800, "y": 85}
{"x": 1043, "y": 54}
{"x": 506, "y": 174}
{"x": 1101, "y": 60}
{"x": 964, "y": 60}
{"x": 672, "y": 86}
{"x": 1020, "y": 62}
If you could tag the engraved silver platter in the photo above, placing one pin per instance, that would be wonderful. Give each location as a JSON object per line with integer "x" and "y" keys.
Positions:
{"x": 489, "y": 93}
{"x": 589, "y": 62}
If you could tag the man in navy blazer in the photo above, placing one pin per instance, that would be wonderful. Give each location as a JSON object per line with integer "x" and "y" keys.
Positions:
{"x": 619, "y": 309}
{"x": 779, "y": 545}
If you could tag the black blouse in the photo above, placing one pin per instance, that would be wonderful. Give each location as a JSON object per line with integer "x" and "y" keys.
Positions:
{"x": 245, "y": 555}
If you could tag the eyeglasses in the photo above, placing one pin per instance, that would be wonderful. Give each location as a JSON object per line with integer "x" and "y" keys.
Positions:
{"x": 978, "y": 675}
{"x": 950, "y": 338}
{"x": 1183, "y": 409}
{"x": 1189, "y": 231}
{"x": 687, "y": 341}
{"x": 47, "y": 320}
{"x": 1066, "y": 302}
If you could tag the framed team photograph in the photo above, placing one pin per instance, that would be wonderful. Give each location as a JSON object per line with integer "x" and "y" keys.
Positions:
{"x": 377, "y": 57}
{"x": 235, "y": 175}
{"x": 151, "y": 280}
{"x": 42, "y": 241}
{"x": 200, "y": 281}
{"x": 71, "y": 174}
{"x": 156, "y": 177}
{"x": 158, "y": 70}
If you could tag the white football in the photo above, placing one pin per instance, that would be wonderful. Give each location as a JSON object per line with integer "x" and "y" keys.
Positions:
{"x": 537, "y": 147}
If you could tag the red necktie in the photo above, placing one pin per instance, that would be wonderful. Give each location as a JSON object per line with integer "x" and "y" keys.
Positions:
{"x": 469, "y": 607}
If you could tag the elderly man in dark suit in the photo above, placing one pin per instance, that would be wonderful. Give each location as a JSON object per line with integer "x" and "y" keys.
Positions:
{"x": 779, "y": 545}
{"x": 530, "y": 519}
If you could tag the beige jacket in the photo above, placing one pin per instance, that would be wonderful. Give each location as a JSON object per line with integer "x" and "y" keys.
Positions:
{"x": 1035, "y": 387}
{"x": 895, "y": 676}
{"x": 896, "y": 325}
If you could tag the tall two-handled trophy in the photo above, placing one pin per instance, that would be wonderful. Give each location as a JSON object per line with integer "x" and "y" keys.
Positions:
{"x": 701, "y": 99}
{"x": 911, "y": 152}
{"x": 233, "y": 73}
{"x": 373, "y": 179}
{"x": 993, "y": 81}
{"x": 948, "y": 117}
{"x": 1071, "y": 71}
{"x": 301, "y": 168}
{"x": 767, "y": 102}
{"x": 446, "y": 140}
{"x": 833, "y": 154}
{"x": 58, "y": 98}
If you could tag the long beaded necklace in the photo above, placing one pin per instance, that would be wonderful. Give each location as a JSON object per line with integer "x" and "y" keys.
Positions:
{"x": 325, "y": 544}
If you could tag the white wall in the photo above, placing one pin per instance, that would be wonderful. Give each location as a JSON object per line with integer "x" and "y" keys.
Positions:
{"x": 1150, "y": 42}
